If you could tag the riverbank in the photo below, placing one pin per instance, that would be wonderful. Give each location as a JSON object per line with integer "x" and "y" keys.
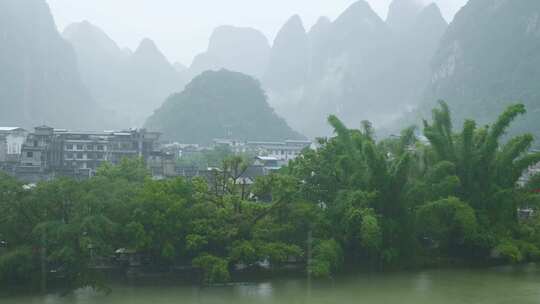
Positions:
{"x": 353, "y": 200}
{"x": 115, "y": 279}
{"x": 493, "y": 285}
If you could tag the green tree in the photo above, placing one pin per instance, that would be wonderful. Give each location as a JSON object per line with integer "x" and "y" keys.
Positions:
{"x": 214, "y": 269}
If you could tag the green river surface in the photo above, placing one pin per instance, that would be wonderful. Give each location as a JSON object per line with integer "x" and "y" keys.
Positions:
{"x": 515, "y": 285}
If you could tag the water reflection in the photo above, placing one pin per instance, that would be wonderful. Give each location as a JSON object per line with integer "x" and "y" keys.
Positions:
{"x": 261, "y": 290}
{"x": 423, "y": 282}
{"x": 498, "y": 285}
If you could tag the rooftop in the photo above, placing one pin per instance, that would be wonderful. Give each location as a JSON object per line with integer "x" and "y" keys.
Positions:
{"x": 267, "y": 158}
{"x": 279, "y": 143}
{"x": 11, "y": 129}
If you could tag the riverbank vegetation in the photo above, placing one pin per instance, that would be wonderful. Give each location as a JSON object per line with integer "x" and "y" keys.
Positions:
{"x": 391, "y": 203}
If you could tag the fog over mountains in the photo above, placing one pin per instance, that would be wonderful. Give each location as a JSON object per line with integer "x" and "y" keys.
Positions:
{"x": 358, "y": 66}
{"x": 39, "y": 78}
{"x": 132, "y": 84}
{"x": 289, "y": 59}
{"x": 489, "y": 58}
{"x": 238, "y": 49}
{"x": 361, "y": 67}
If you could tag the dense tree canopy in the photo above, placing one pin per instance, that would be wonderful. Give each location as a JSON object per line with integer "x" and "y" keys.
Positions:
{"x": 218, "y": 105}
{"x": 396, "y": 202}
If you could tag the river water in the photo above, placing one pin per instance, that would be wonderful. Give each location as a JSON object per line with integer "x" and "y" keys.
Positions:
{"x": 515, "y": 285}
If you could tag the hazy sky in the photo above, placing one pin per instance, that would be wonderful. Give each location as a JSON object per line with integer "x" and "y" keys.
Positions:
{"x": 181, "y": 28}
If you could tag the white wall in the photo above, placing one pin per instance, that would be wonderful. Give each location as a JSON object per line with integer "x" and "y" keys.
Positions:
{"x": 14, "y": 143}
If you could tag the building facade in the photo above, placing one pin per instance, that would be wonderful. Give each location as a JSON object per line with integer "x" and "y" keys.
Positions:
{"x": 283, "y": 151}
{"x": 11, "y": 141}
{"x": 79, "y": 154}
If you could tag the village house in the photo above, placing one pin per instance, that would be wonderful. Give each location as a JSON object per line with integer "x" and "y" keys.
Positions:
{"x": 11, "y": 141}
{"x": 48, "y": 152}
{"x": 283, "y": 151}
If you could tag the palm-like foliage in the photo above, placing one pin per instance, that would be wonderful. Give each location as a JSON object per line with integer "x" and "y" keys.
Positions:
{"x": 364, "y": 184}
{"x": 484, "y": 165}
{"x": 363, "y": 201}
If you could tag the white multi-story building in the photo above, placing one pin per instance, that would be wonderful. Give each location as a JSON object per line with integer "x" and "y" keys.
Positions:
{"x": 282, "y": 151}
{"x": 11, "y": 141}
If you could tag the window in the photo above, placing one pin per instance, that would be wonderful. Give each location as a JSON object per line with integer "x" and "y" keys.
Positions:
{"x": 99, "y": 156}
{"x": 35, "y": 143}
{"x": 30, "y": 154}
{"x": 100, "y": 147}
{"x": 79, "y": 147}
{"x": 79, "y": 155}
{"x": 69, "y": 146}
{"x": 69, "y": 155}
{"x": 90, "y": 147}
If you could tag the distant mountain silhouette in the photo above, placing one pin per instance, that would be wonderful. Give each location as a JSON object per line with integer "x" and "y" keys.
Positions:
{"x": 489, "y": 58}
{"x": 289, "y": 61}
{"x": 218, "y": 104}
{"x": 359, "y": 66}
{"x": 402, "y": 14}
{"x": 132, "y": 84}
{"x": 39, "y": 78}
{"x": 240, "y": 49}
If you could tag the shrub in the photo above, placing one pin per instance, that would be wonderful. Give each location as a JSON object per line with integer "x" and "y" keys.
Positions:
{"x": 215, "y": 269}
{"x": 327, "y": 259}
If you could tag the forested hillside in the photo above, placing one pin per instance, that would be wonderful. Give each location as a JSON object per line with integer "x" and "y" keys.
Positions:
{"x": 220, "y": 104}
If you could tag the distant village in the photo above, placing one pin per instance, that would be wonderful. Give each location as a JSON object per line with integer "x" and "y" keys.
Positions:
{"x": 46, "y": 153}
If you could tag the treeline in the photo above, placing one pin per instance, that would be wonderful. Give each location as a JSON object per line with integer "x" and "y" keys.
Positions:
{"x": 353, "y": 201}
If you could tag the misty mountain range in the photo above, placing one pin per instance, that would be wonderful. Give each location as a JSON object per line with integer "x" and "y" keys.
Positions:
{"x": 133, "y": 84}
{"x": 489, "y": 58}
{"x": 39, "y": 78}
{"x": 357, "y": 66}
